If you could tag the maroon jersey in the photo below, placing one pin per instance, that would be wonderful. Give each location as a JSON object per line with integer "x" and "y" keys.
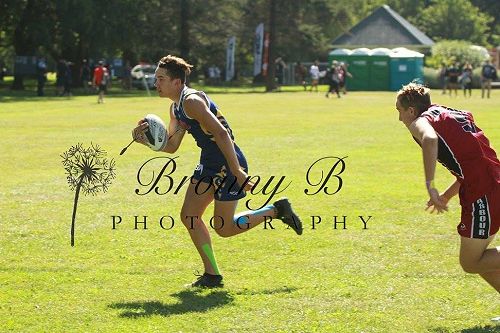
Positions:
{"x": 465, "y": 151}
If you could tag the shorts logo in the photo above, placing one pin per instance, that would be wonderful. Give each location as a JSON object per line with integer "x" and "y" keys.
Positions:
{"x": 462, "y": 226}
{"x": 199, "y": 168}
{"x": 481, "y": 221}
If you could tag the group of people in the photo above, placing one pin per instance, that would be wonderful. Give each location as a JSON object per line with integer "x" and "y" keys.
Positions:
{"x": 455, "y": 76}
{"x": 99, "y": 78}
{"x": 335, "y": 75}
{"x": 64, "y": 77}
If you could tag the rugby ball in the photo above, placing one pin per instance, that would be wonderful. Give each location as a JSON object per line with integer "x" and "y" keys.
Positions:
{"x": 156, "y": 134}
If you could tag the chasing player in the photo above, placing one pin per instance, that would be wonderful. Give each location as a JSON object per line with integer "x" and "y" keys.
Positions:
{"x": 451, "y": 137}
{"x": 222, "y": 165}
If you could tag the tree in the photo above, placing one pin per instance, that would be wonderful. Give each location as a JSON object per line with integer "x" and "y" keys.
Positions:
{"x": 270, "y": 80}
{"x": 491, "y": 8}
{"x": 32, "y": 30}
{"x": 455, "y": 19}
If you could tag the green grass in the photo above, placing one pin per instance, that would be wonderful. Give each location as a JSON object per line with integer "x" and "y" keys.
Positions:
{"x": 400, "y": 275}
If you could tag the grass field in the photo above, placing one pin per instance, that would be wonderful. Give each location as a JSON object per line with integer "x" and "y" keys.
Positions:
{"x": 399, "y": 275}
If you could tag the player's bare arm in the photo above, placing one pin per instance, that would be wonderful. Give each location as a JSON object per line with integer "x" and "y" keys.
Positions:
{"x": 451, "y": 191}
{"x": 196, "y": 108}
{"x": 425, "y": 134}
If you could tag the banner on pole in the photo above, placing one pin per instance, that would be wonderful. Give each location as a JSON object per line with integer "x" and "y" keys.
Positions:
{"x": 265, "y": 60}
{"x": 231, "y": 46}
{"x": 257, "y": 49}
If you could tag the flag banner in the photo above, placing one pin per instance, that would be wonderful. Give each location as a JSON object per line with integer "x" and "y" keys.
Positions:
{"x": 257, "y": 49}
{"x": 265, "y": 60}
{"x": 231, "y": 45}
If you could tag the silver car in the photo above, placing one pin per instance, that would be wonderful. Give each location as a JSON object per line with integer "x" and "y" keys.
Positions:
{"x": 143, "y": 75}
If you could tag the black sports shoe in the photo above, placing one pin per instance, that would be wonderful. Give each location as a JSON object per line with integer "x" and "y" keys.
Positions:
{"x": 286, "y": 214}
{"x": 208, "y": 281}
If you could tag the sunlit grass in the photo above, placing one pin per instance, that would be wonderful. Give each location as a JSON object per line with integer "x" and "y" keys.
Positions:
{"x": 399, "y": 275}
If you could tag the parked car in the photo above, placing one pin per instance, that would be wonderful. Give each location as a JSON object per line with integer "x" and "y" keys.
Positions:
{"x": 141, "y": 73}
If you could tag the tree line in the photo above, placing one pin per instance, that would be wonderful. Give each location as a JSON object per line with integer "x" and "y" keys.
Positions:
{"x": 198, "y": 29}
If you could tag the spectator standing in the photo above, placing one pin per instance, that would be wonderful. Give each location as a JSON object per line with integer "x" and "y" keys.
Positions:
{"x": 110, "y": 71}
{"x": 443, "y": 78}
{"x": 41, "y": 74}
{"x": 101, "y": 77}
{"x": 60, "y": 77}
{"x": 280, "y": 72}
{"x": 466, "y": 79}
{"x": 127, "y": 76}
{"x": 300, "y": 74}
{"x": 85, "y": 76}
{"x": 488, "y": 74}
{"x": 452, "y": 74}
{"x": 314, "y": 72}
{"x": 68, "y": 80}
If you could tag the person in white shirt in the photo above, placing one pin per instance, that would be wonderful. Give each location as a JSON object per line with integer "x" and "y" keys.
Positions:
{"x": 314, "y": 72}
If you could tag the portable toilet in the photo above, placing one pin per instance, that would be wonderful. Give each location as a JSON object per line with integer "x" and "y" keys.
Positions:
{"x": 405, "y": 66}
{"x": 359, "y": 67}
{"x": 380, "y": 73}
{"x": 341, "y": 55}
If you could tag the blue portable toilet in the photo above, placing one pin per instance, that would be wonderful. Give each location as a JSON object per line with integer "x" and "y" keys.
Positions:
{"x": 406, "y": 66}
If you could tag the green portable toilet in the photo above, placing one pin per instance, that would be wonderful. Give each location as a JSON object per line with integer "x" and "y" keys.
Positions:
{"x": 406, "y": 66}
{"x": 359, "y": 67}
{"x": 380, "y": 73}
{"x": 341, "y": 55}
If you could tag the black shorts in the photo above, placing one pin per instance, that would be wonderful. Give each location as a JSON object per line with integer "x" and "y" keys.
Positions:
{"x": 216, "y": 173}
{"x": 103, "y": 87}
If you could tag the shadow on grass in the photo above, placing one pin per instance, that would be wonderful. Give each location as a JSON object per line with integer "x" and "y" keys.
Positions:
{"x": 282, "y": 290}
{"x": 191, "y": 300}
{"x": 476, "y": 329}
{"x": 485, "y": 329}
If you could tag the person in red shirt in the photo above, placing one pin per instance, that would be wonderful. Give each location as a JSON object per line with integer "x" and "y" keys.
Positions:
{"x": 101, "y": 77}
{"x": 451, "y": 137}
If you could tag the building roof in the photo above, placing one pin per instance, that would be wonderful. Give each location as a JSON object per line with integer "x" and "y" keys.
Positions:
{"x": 383, "y": 28}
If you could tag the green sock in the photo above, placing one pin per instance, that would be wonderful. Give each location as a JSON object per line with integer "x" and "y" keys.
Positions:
{"x": 210, "y": 254}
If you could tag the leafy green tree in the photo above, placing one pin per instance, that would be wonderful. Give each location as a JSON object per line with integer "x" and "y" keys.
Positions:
{"x": 455, "y": 19}
{"x": 31, "y": 30}
{"x": 492, "y": 8}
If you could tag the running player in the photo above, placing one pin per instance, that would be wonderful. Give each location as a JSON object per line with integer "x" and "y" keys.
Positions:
{"x": 451, "y": 137}
{"x": 222, "y": 166}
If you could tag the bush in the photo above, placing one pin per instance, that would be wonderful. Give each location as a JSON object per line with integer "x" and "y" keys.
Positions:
{"x": 431, "y": 78}
{"x": 451, "y": 51}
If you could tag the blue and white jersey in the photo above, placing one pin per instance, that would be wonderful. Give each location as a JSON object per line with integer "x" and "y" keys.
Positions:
{"x": 210, "y": 152}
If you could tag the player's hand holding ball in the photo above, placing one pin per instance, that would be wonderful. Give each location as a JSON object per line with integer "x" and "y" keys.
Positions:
{"x": 138, "y": 133}
{"x": 152, "y": 132}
